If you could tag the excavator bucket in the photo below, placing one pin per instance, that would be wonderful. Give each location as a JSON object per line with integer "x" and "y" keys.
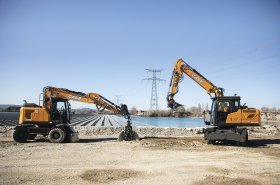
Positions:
{"x": 173, "y": 105}
{"x": 128, "y": 134}
{"x": 128, "y": 137}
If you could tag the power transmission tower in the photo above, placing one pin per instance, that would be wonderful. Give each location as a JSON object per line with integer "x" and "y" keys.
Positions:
{"x": 118, "y": 99}
{"x": 155, "y": 79}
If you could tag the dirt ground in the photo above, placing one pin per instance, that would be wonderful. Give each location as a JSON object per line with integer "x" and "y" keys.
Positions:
{"x": 149, "y": 161}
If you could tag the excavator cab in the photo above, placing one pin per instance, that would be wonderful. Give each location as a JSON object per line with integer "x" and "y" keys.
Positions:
{"x": 222, "y": 107}
{"x": 60, "y": 111}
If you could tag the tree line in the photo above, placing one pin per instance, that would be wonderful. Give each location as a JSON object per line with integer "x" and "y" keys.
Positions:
{"x": 194, "y": 111}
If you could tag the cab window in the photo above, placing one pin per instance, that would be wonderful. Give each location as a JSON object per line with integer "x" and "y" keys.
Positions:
{"x": 236, "y": 105}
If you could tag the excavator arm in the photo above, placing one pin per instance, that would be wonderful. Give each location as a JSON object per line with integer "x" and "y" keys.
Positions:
{"x": 91, "y": 98}
{"x": 179, "y": 70}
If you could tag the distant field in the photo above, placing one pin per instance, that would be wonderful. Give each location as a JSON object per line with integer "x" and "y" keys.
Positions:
{"x": 9, "y": 118}
{"x": 97, "y": 120}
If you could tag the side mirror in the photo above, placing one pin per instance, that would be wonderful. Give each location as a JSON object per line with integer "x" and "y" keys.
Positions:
{"x": 244, "y": 106}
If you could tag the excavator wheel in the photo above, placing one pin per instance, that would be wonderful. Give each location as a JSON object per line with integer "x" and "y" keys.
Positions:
{"x": 57, "y": 135}
{"x": 210, "y": 142}
{"x": 67, "y": 138}
{"x": 245, "y": 143}
{"x": 245, "y": 140}
{"x": 31, "y": 136}
{"x": 20, "y": 134}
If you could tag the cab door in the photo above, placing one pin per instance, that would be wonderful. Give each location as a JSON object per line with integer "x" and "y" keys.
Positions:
{"x": 235, "y": 115}
{"x": 223, "y": 109}
{"x": 62, "y": 107}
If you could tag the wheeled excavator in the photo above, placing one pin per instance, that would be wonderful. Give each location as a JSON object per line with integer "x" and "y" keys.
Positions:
{"x": 52, "y": 119}
{"x": 228, "y": 118}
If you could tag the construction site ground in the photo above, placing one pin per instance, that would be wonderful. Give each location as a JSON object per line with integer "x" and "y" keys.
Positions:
{"x": 181, "y": 160}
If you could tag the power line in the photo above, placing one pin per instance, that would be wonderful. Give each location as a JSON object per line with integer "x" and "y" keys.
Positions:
{"x": 220, "y": 72}
{"x": 118, "y": 99}
{"x": 154, "y": 79}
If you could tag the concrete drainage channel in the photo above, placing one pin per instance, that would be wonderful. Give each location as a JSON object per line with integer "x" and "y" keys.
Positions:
{"x": 114, "y": 131}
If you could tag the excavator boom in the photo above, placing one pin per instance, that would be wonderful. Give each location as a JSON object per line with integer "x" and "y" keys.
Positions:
{"x": 91, "y": 98}
{"x": 179, "y": 70}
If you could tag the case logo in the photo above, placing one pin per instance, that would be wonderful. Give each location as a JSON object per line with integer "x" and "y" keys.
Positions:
{"x": 74, "y": 97}
{"x": 197, "y": 78}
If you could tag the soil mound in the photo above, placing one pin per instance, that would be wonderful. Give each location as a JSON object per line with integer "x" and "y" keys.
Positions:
{"x": 108, "y": 175}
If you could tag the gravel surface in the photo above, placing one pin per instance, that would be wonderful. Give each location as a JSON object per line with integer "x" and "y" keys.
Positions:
{"x": 163, "y": 156}
{"x": 153, "y": 161}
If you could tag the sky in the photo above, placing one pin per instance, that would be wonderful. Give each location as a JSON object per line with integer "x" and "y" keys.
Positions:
{"x": 104, "y": 46}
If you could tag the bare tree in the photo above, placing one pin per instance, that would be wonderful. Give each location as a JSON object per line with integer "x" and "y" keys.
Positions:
{"x": 206, "y": 107}
{"x": 265, "y": 109}
{"x": 133, "y": 110}
{"x": 181, "y": 109}
{"x": 194, "y": 110}
{"x": 199, "y": 108}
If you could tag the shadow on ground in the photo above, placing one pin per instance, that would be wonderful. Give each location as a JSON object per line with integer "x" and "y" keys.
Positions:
{"x": 90, "y": 140}
{"x": 96, "y": 140}
{"x": 262, "y": 142}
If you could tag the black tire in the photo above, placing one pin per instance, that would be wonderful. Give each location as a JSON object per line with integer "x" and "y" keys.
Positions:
{"x": 67, "y": 136}
{"x": 245, "y": 143}
{"x": 20, "y": 134}
{"x": 57, "y": 135}
{"x": 210, "y": 142}
{"x": 244, "y": 136}
{"x": 238, "y": 143}
{"x": 31, "y": 136}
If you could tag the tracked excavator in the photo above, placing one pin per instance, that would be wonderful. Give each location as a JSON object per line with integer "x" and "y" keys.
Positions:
{"x": 52, "y": 119}
{"x": 228, "y": 118}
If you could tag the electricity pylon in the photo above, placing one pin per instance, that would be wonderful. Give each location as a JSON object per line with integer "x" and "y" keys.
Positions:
{"x": 154, "y": 79}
